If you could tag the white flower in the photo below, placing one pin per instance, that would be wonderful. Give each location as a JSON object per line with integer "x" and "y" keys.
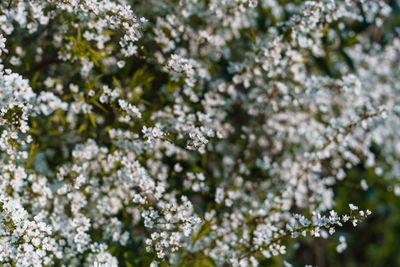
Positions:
{"x": 353, "y": 207}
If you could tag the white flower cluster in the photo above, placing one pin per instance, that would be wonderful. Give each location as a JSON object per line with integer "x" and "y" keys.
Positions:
{"x": 210, "y": 130}
{"x": 342, "y": 245}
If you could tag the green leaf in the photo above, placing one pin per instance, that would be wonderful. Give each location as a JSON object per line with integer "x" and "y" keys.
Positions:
{"x": 171, "y": 87}
{"x": 78, "y": 35}
{"x": 97, "y": 104}
{"x": 32, "y": 153}
{"x": 92, "y": 120}
{"x": 34, "y": 79}
{"x": 94, "y": 81}
{"x": 115, "y": 80}
{"x": 140, "y": 78}
{"x": 204, "y": 229}
{"x": 81, "y": 128}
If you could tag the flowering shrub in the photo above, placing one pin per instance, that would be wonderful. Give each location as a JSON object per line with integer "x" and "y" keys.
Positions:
{"x": 190, "y": 132}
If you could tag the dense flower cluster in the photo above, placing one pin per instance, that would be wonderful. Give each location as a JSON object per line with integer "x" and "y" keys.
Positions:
{"x": 168, "y": 131}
